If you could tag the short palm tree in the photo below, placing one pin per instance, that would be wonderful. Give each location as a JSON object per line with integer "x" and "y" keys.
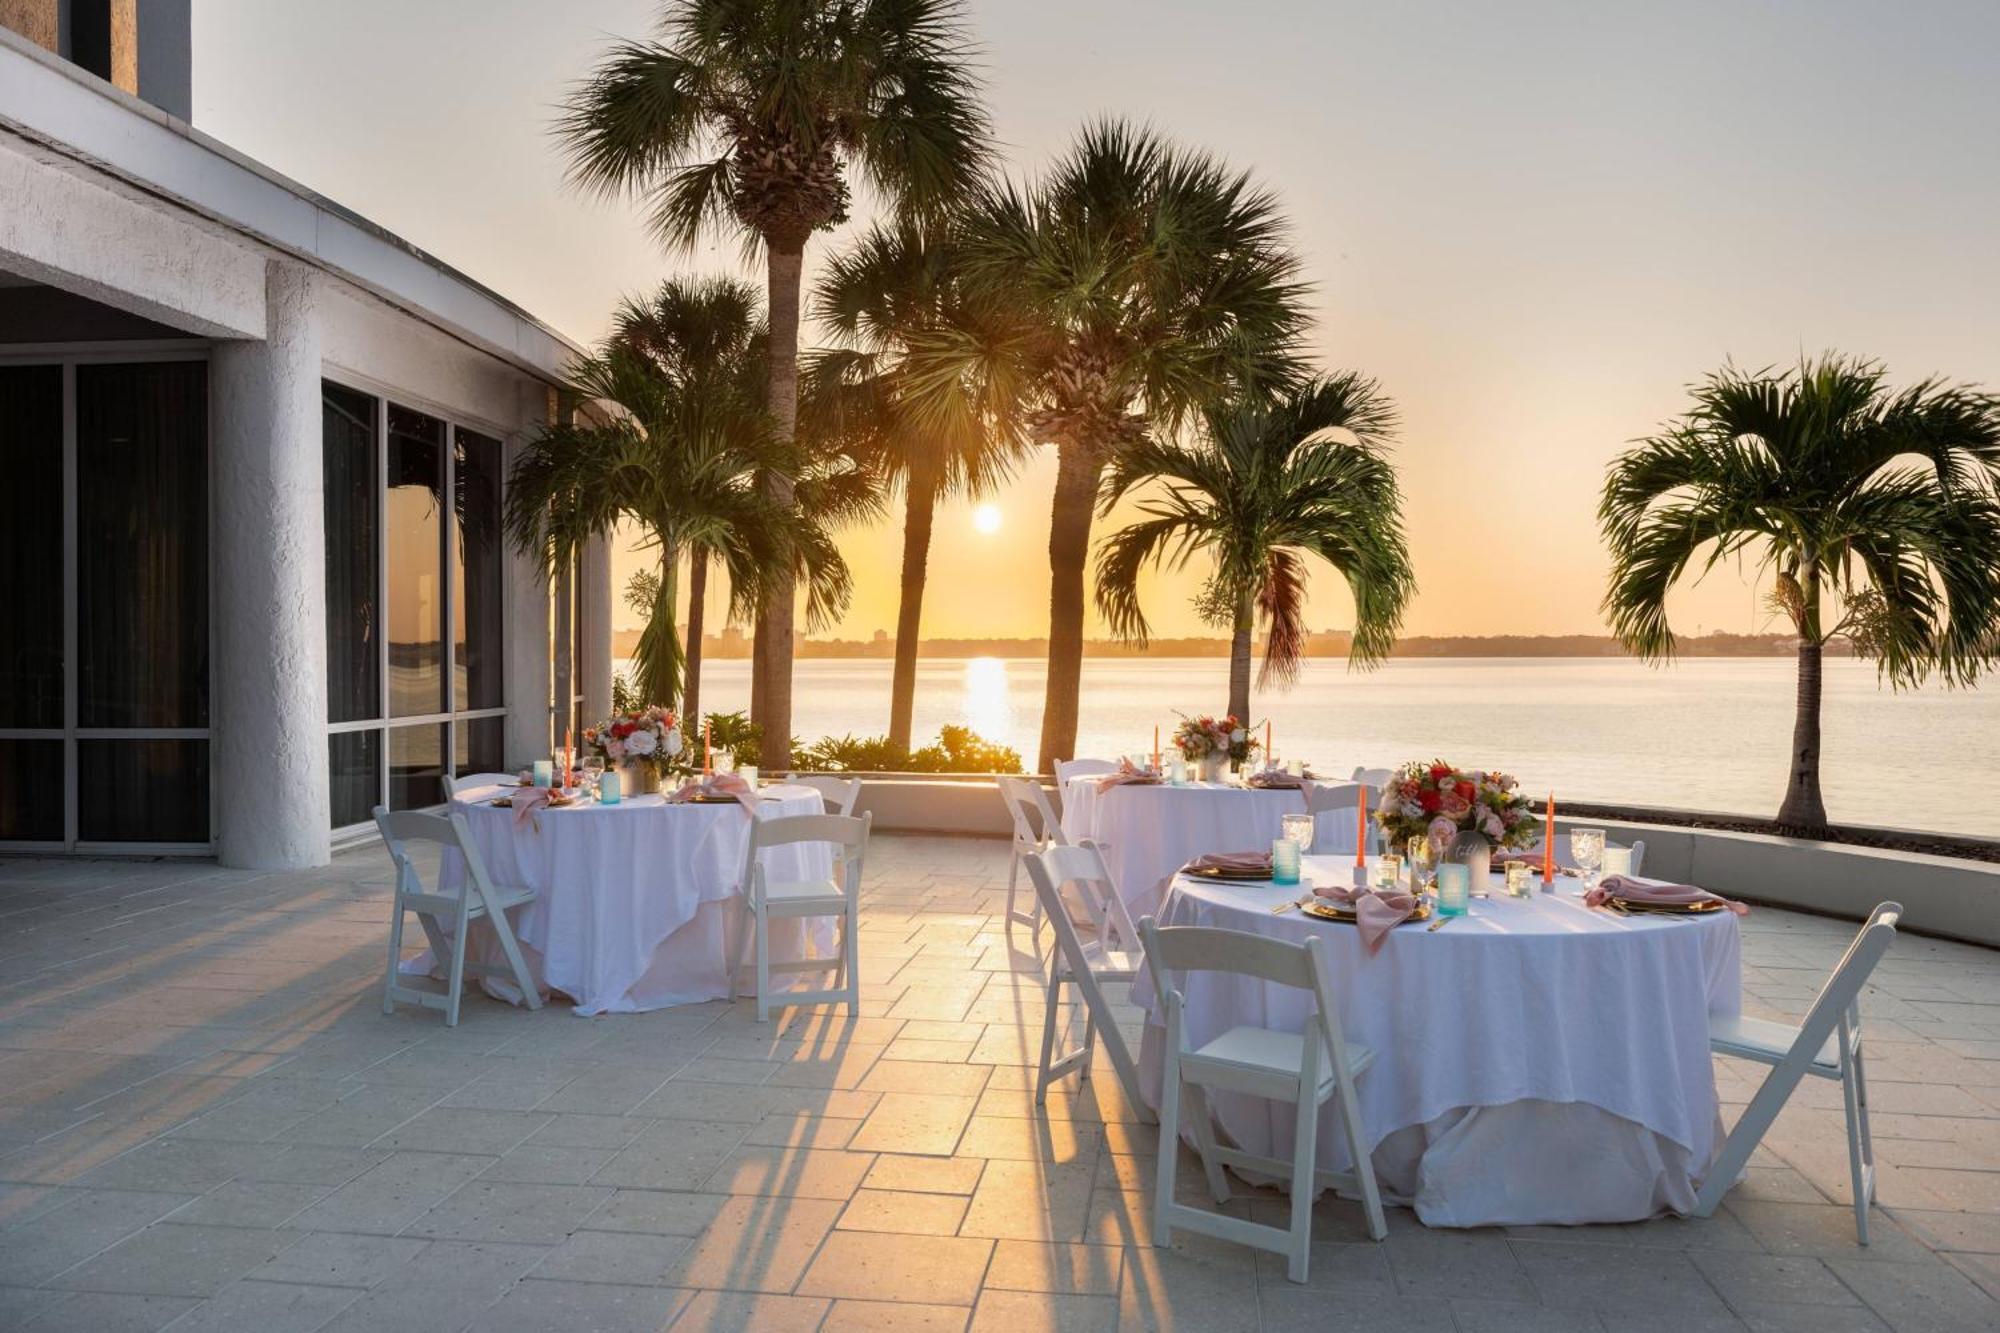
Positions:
{"x": 680, "y": 456}
{"x": 1140, "y": 282}
{"x": 1881, "y": 500}
{"x": 748, "y": 116}
{"x": 709, "y": 334}
{"x": 894, "y": 287}
{"x": 1268, "y": 484}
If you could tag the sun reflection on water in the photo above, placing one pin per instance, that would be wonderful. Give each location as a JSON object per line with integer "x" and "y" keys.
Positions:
{"x": 985, "y": 706}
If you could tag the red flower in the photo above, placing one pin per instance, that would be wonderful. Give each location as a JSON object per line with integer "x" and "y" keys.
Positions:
{"x": 1430, "y": 801}
{"x": 1466, "y": 789}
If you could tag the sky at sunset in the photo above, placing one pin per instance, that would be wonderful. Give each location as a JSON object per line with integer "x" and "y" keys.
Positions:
{"x": 1533, "y": 222}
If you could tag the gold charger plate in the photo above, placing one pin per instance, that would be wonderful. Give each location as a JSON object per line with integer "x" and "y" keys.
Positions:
{"x": 1706, "y": 905}
{"x": 1326, "y": 911}
{"x": 709, "y": 800}
{"x": 553, "y": 803}
{"x": 1238, "y": 876}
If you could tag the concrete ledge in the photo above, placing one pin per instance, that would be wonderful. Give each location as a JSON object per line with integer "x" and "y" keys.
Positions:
{"x": 914, "y": 805}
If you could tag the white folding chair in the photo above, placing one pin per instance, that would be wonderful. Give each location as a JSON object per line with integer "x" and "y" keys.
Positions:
{"x": 837, "y": 794}
{"x": 476, "y": 900}
{"x": 1036, "y": 829}
{"x": 1330, "y": 799}
{"x": 1373, "y": 777}
{"x": 1111, "y": 954}
{"x": 765, "y": 899}
{"x": 1826, "y": 1045}
{"x": 1306, "y": 1068}
{"x": 465, "y": 781}
{"x": 1082, "y": 768}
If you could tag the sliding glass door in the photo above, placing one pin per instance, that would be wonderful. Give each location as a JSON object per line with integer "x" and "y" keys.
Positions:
{"x": 104, "y": 631}
{"x": 413, "y": 587}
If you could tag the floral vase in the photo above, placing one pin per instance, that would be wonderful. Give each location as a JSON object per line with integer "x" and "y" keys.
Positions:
{"x": 636, "y": 777}
{"x": 1213, "y": 767}
{"x": 1475, "y": 850}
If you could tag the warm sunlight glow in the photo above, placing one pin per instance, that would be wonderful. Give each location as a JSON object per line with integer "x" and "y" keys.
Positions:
{"x": 984, "y": 705}
{"x": 986, "y": 518}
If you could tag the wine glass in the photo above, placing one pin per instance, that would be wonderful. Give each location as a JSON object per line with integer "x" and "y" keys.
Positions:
{"x": 1423, "y": 862}
{"x": 1586, "y": 848}
{"x": 593, "y": 773}
{"x": 1300, "y": 829}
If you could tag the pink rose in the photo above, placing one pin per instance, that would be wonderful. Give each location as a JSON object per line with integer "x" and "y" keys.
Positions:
{"x": 1455, "y": 805}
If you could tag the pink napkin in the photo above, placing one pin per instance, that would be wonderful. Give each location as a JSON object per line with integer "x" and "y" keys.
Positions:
{"x": 528, "y": 800}
{"x": 1647, "y": 891}
{"x": 1277, "y": 780}
{"x": 721, "y": 784}
{"x": 1128, "y": 773}
{"x": 1375, "y": 914}
{"x": 1232, "y": 861}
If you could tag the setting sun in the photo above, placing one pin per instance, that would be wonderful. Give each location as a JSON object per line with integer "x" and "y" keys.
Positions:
{"x": 986, "y": 518}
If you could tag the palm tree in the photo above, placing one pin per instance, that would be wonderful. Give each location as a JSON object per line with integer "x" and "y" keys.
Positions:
{"x": 1883, "y": 500}
{"x": 896, "y": 286}
{"x": 1137, "y": 283}
{"x": 709, "y": 334}
{"x": 748, "y": 115}
{"x": 1269, "y": 483}
{"x": 681, "y": 458}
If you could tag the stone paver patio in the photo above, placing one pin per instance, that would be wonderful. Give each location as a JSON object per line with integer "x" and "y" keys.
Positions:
{"x": 207, "y": 1123}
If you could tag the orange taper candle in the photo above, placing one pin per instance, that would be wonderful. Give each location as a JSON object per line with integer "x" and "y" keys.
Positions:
{"x": 1156, "y": 747}
{"x": 1267, "y": 740}
{"x": 1360, "y": 827}
{"x": 1549, "y": 843}
{"x": 707, "y": 751}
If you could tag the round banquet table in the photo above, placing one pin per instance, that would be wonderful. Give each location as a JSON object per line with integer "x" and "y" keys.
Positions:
{"x": 1148, "y": 832}
{"x": 1537, "y": 1061}
{"x": 637, "y": 904}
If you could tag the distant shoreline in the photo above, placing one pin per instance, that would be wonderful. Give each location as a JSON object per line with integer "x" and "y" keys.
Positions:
{"x": 1326, "y": 644}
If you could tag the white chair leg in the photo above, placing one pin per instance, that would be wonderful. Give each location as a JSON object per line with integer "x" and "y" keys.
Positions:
{"x": 531, "y": 994}
{"x": 1052, "y": 1000}
{"x": 1305, "y": 1155}
{"x": 851, "y": 950}
{"x": 1204, "y": 1137}
{"x": 456, "y": 979}
{"x": 1860, "y": 1178}
{"x": 395, "y": 957}
{"x": 746, "y": 925}
{"x": 1751, "y": 1126}
{"x": 763, "y": 947}
{"x": 1364, "y": 1163}
{"x": 1170, "y": 1147}
{"x": 1013, "y": 876}
{"x": 1089, "y": 1044}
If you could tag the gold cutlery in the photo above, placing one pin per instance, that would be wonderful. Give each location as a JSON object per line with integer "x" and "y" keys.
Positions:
{"x": 1284, "y": 907}
{"x": 1438, "y": 924}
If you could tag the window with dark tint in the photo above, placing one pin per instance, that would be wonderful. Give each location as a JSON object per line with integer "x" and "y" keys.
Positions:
{"x": 416, "y": 762}
{"x": 142, "y": 791}
{"x": 90, "y": 35}
{"x": 31, "y": 790}
{"x": 480, "y": 741}
{"x": 142, "y": 545}
{"x": 415, "y": 524}
{"x": 356, "y": 775}
{"x": 353, "y": 656}
{"x": 31, "y": 554}
{"x": 476, "y": 572}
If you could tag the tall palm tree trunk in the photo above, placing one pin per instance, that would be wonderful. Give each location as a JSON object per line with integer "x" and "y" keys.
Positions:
{"x": 1804, "y": 809}
{"x": 1077, "y": 469}
{"x": 1241, "y": 631}
{"x": 697, "y": 615}
{"x": 774, "y": 621}
{"x": 919, "y": 509}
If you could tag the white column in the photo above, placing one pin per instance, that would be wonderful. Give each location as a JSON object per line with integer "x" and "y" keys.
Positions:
{"x": 269, "y": 743}
{"x": 593, "y": 590}
{"x": 528, "y": 660}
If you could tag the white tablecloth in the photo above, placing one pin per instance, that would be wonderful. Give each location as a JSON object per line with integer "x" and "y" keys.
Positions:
{"x": 637, "y": 903}
{"x": 1535, "y": 1062}
{"x": 1149, "y": 832}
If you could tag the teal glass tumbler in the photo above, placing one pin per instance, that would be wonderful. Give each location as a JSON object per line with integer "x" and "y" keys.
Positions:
{"x": 1284, "y": 861}
{"x": 609, "y": 788}
{"x": 1454, "y": 888}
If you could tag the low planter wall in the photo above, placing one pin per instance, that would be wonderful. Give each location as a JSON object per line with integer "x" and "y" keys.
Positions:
{"x": 1940, "y": 895}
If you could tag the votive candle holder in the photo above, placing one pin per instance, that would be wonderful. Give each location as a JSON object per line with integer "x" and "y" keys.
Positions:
{"x": 1284, "y": 861}
{"x": 1454, "y": 888}
{"x": 609, "y": 789}
{"x": 545, "y": 772}
{"x": 1520, "y": 879}
{"x": 1617, "y": 861}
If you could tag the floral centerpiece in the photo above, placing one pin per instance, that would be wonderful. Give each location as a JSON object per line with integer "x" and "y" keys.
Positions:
{"x": 1464, "y": 813}
{"x": 642, "y": 744}
{"x": 1213, "y": 742}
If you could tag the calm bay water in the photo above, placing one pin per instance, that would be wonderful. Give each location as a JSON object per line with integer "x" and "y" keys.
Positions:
{"x": 1708, "y": 734}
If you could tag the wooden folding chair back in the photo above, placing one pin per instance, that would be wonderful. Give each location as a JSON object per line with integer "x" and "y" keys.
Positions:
{"x": 1035, "y": 828}
{"x": 766, "y": 899}
{"x": 838, "y": 794}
